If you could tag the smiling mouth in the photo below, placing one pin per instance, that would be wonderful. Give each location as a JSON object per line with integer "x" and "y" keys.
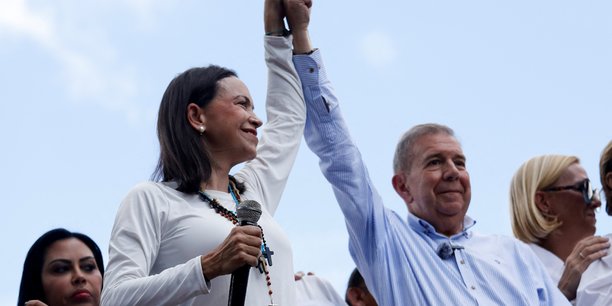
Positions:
{"x": 250, "y": 131}
{"x": 450, "y": 191}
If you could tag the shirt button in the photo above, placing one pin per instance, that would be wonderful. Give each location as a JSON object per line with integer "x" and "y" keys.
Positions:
{"x": 473, "y": 287}
{"x": 462, "y": 262}
{"x": 311, "y": 70}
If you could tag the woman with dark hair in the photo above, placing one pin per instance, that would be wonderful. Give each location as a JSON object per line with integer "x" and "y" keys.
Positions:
{"x": 357, "y": 293}
{"x": 174, "y": 241}
{"x": 605, "y": 175}
{"x": 596, "y": 286}
{"x": 62, "y": 268}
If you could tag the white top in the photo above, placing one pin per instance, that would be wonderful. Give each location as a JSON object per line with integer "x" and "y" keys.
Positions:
{"x": 314, "y": 291}
{"x": 553, "y": 264}
{"x": 595, "y": 287}
{"x": 160, "y": 233}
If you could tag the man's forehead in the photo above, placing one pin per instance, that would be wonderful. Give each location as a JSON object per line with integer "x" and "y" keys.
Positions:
{"x": 438, "y": 144}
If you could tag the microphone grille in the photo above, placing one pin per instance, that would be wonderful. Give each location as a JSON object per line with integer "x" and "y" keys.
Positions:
{"x": 248, "y": 211}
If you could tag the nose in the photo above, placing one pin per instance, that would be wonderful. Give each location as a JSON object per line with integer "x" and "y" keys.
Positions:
{"x": 451, "y": 172}
{"x": 596, "y": 201}
{"x": 255, "y": 121}
{"x": 77, "y": 277}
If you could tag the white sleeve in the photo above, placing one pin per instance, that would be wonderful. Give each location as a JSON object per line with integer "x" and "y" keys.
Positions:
{"x": 595, "y": 286}
{"x": 267, "y": 174}
{"x": 314, "y": 291}
{"x": 133, "y": 249}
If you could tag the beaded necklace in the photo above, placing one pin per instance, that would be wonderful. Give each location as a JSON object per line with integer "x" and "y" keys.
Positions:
{"x": 262, "y": 263}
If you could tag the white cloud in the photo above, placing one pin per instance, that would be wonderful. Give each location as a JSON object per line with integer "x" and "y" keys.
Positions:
{"x": 378, "y": 49}
{"x": 16, "y": 18}
{"x": 90, "y": 70}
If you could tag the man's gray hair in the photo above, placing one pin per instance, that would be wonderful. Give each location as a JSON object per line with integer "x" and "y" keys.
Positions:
{"x": 404, "y": 152}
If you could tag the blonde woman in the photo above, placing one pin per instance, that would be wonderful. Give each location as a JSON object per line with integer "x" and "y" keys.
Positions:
{"x": 553, "y": 209}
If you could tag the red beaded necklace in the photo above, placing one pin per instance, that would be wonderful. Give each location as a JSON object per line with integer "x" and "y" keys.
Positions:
{"x": 262, "y": 265}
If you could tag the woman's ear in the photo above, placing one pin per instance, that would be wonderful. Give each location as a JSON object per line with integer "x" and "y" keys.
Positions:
{"x": 542, "y": 203}
{"x": 196, "y": 117}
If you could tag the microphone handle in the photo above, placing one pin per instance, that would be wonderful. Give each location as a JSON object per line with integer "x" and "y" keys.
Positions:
{"x": 239, "y": 280}
{"x": 238, "y": 286}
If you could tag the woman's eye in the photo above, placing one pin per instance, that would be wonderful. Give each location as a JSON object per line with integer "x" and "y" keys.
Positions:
{"x": 59, "y": 269}
{"x": 89, "y": 267}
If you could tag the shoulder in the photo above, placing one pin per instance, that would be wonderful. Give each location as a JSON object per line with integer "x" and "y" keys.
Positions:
{"x": 147, "y": 194}
{"x": 500, "y": 242}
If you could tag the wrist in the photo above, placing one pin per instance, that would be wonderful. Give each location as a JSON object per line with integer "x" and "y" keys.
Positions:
{"x": 273, "y": 19}
{"x": 301, "y": 42}
{"x": 311, "y": 51}
{"x": 278, "y": 32}
{"x": 207, "y": 268}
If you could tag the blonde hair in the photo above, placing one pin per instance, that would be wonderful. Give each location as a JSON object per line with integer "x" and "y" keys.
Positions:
{"x": 605, "y": 162}
{"x": 529, "y": 224}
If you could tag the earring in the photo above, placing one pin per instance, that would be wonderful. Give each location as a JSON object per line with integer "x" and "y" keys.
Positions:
{"x": 202, "y": 129}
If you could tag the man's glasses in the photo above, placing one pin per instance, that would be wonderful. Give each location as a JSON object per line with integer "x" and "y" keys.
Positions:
{"x": 588, "y": 194}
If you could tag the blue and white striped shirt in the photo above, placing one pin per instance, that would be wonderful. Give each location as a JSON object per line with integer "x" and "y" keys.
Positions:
{"x": 397, "y": 256}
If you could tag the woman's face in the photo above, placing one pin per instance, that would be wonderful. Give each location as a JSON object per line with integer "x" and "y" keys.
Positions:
{"x": 569, "y": 205}
{"x": 231, "y": 124}
{"x": 70, "y": 274}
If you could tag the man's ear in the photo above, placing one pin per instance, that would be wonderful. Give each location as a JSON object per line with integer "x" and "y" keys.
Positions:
{"x": 196, "y": 117}
{"x": 608, "y": 180}
{"x": 399, "y": 181}
{"x": 542, "y": 203}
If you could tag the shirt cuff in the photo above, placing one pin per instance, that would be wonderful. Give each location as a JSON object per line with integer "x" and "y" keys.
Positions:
{"x": 204, "y": 284}
{"x": 310, "y": 68}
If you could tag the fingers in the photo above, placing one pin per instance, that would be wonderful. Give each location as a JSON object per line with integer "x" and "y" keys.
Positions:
{"x": 35, "y": 303}
{"x": 241, "y": 247}
{"x": 592, "y": 248}
{"x": 300, "y": 274}
{"x": 584, "y": 253}
{"x": 245, "y": 242}
{"x": 298, "y": 14}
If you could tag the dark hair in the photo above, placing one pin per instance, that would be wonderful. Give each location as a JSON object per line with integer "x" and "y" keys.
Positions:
{"x": 355, "y": 281}
{"x": 605, "y": 166}
{"x": 183, "y": 155}
{"x": 31, "y": 287}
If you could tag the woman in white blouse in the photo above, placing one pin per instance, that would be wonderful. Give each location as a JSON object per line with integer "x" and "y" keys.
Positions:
{"x": 174, "y": 241}
{"x": 553, "y": 210}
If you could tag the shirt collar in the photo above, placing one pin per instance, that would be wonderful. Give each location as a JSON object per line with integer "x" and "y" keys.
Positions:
{"x": 422, "y": 226}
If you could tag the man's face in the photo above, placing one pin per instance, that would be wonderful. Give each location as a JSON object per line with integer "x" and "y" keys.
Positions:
{"x": 436, "y": 187}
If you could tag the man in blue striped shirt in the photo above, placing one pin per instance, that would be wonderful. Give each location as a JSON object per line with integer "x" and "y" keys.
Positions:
{"x": 432, "y": 256}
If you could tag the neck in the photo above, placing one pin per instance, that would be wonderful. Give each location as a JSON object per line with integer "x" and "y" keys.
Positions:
{"x": 561, "y": 243}
{"x": 449, "y": 231}
{"x": 218, "y": 180}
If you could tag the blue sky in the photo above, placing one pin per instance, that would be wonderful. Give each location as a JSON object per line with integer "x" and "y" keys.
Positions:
{"x": 82, "y": 80}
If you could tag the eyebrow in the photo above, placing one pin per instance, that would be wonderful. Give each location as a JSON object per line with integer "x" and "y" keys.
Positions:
{"x": 63, "y": 260}
{"x": 440, "y": 155}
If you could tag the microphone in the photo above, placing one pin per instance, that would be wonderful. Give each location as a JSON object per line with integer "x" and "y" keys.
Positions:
{"x": 446, "y": 249}
{"x": 248, "y": 213}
